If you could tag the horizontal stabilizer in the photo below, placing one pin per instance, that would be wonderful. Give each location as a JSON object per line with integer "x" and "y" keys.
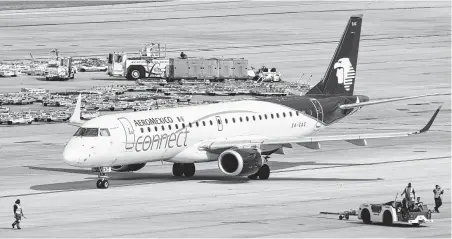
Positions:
{"x": 375, "y": 102}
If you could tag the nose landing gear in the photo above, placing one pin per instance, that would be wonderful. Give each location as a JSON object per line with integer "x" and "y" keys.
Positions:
{"x": 186, "y": 169}
{"x": 102, "y": 182}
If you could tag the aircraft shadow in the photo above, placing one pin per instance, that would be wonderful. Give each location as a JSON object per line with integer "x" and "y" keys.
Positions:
{"x": 122, "y": 179}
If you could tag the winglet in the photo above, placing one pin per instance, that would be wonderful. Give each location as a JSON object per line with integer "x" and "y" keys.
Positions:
{"x": 429, "y": 124}
{"x": 75, "y": 118}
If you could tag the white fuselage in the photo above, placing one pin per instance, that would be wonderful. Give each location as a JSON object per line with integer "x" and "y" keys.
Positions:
{"x": 175, "y": 134}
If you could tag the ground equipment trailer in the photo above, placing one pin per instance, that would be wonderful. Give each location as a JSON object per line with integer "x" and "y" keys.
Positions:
{"x": 212, "y": 69}
{"x": 152, "y": 63}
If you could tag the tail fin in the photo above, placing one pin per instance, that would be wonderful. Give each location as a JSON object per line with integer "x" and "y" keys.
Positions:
{"x": 339, "y": 79}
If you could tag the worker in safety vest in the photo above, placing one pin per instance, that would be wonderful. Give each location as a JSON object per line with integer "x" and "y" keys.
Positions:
{"x": 17, "y": 214}
{"x": 437, "y": 192}
{"x": 410, "y": 194}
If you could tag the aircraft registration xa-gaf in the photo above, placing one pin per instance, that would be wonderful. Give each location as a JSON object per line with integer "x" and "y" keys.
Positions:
{"x": 239, "y": 135}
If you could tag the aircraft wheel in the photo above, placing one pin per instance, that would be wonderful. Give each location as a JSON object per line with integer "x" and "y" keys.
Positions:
{"x": 105, "y": 183}
{"x": 178, "y": 169}
{"x": 416, "y": 224}
{"x": 264, "y": 172}
{"x": 99, "y": 183}
{"x": 189, "y": 169}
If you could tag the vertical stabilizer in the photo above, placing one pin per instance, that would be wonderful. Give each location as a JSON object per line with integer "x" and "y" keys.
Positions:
{"x": 339, "y": 78}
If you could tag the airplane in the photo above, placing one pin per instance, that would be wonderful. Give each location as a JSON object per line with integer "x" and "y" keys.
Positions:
{"x": 239, "y": 135}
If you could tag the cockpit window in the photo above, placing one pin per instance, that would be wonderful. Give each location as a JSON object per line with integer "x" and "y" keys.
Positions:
{"x": 104, "y": 132}
{"x": 87, "y": 132}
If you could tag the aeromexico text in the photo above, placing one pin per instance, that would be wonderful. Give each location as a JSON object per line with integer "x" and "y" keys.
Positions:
{"x": 152, "y": 121}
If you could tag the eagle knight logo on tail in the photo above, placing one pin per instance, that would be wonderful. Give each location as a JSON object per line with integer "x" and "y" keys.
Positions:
{"x": 345, "y": 72}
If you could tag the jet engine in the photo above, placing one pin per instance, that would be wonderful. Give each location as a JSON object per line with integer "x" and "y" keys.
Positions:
{"x": 240, "y": 162}
{"x": 128, "y": 168}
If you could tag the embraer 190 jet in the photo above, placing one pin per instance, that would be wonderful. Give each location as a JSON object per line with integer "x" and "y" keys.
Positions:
{"x": 239, "y": 135}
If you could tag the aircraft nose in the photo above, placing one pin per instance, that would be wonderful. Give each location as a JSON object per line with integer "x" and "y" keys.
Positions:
{"x": 70, "y": 155}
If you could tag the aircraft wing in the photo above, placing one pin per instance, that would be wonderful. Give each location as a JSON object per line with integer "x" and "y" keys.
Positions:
{"x": 374, "y": 102}
{"x": 312, "y": 142}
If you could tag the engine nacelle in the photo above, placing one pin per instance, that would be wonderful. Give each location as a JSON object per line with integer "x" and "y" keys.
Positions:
{"x": 128, "y": 168}
{"x": 240, "y": 162}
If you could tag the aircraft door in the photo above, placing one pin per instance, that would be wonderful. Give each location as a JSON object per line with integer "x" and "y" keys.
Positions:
{"x": 319, "y": 112}
{"x": 129, "y": 132}
{"x": 219, "y": 123}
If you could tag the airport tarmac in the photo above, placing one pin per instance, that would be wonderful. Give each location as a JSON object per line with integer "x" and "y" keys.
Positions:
{"x": 405, "y": 50}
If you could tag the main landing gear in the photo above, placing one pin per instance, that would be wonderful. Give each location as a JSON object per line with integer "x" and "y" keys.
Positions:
{"x": 102, "y": 182}
{"x": 263, "y": 173}
{"x": 186, "y": 169}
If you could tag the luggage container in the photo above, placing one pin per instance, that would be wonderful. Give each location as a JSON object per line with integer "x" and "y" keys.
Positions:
{"x": 226, "y": 68}
{"x": 207, "y": 69}
{"x": 240, "y": 69}
{"x": 210, "y": 69}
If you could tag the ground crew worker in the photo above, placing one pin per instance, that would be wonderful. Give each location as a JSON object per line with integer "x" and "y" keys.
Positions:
{"x": 18, "y": 213}
{"x": 408, "y": 198}
{"x": 409, "y": 192}
{"x": 183, "y": 55}
{"x": 437, "y": 192}
{"x": 419, "y": 205}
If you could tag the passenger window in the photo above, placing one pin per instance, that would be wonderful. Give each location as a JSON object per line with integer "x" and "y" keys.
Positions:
{"x": 226, "y": 120}
{"x": 189, "y": 124}
{"x": 169, "y": 127}
{"x": 155, "y": 128}
{"x": 211, "y": 123}
{"x": 284, "y": 114}
{"x": 277, "y": 115}
{"x": 177, "y": 127}
{"x": 163, "y": 127}
{"x": 142, "y": 131}
{"x": 290, "y": 113}
{"x": 265, "y": 116}
{"x": 183, "y": 125}
{"x": 218, "y": 121}
{"x": 233, "y": 120}
{"x": 104, "y": 132}
{"x": 254, "y": 118}
{"x": 240, "y": 119}
{"x": 260, "y": 117}
{"x": 271, "y": 115}
{"x": 149, "y": 129}
{"x": 296, "y": 113}
{"x": 203, "y": 123}
{"x": 247, "y": 118}
{"x": 197, "y": 124}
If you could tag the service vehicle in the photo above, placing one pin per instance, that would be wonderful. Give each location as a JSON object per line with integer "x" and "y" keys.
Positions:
{"x": 150, "y": 62}
{"x": 17, "y": 119}
{"x": 394, "y": 212}
{"x": 59, "y": 68}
